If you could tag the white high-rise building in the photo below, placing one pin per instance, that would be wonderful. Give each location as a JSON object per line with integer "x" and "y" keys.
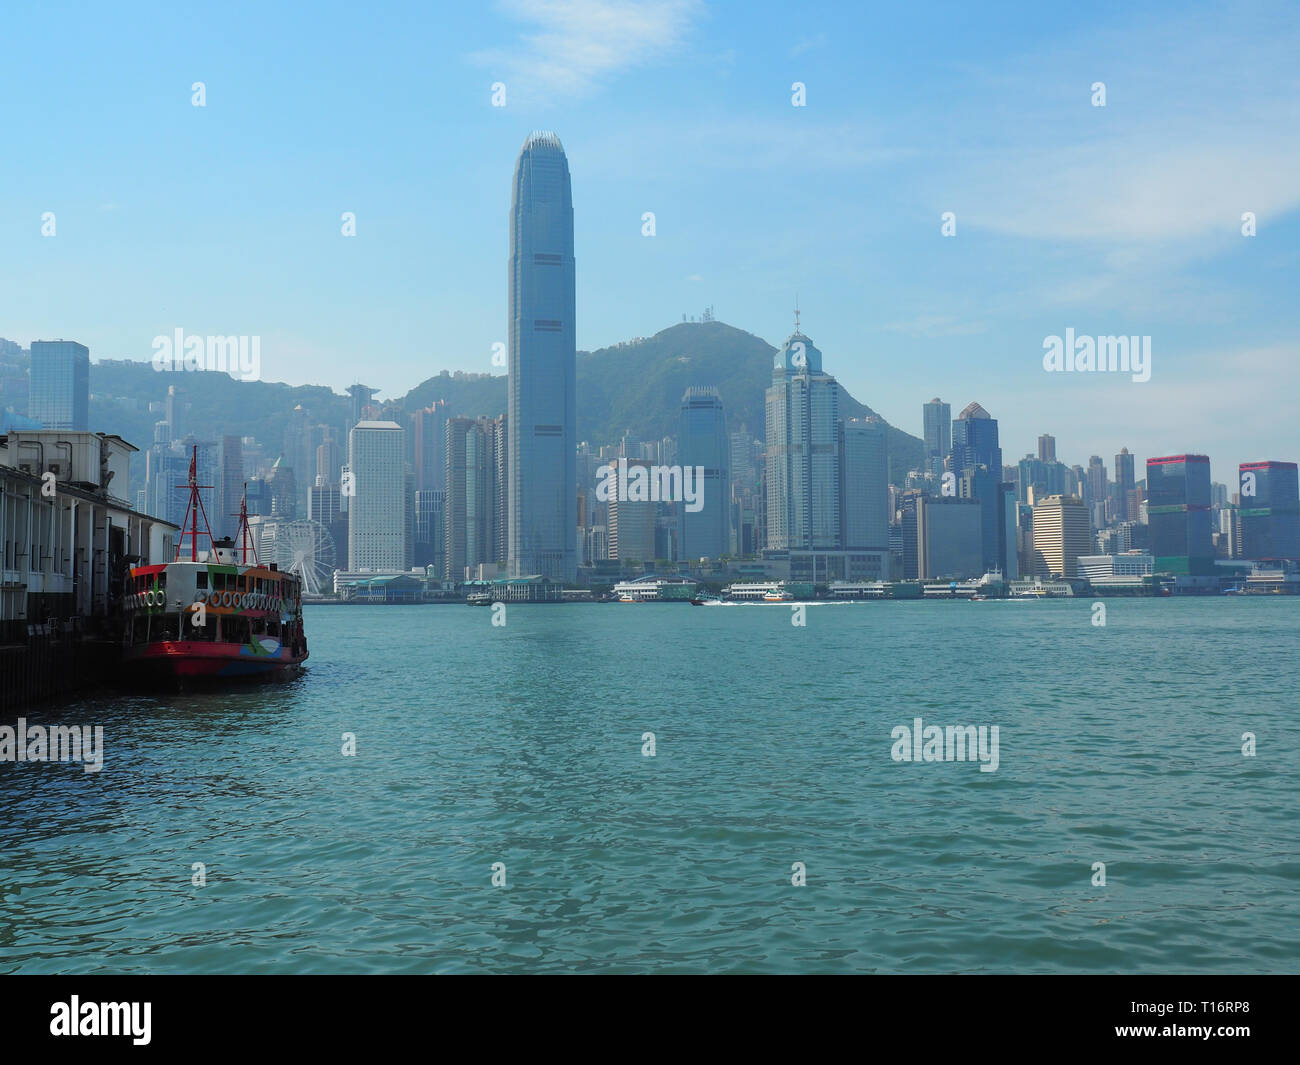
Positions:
{"x": 377, "y": 525}
{"x": 803, "y": 466}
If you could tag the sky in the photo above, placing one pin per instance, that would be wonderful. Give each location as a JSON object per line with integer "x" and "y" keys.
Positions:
{"x": 1125, "y": 219}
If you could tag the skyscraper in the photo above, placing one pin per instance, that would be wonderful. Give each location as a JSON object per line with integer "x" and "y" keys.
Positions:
{"x": 231, "y": 486}
{"x": 803, "y": 476}
{"x": 703, "y": 443}
{"x": 429, "y": 435}
{"x": 1270, "y": 511}
{"x": 1047, "y": 448}
{"x": 864, "y": 485}
{"x": 542, "y": 412}
{"x": 975, "y": 441}
{"x": 475, "y": 477}
{"x": 1124, "y": 484}
{"x": 361, "y": 396}
{"x": 1061, "y": 536}
{"x": 1178, "y": 508}
{"x": 60, "y": 388}
{"x": 1097, "y": 482}
{"x": 377, "y": 507}
{"x": 937, "y": 417}
{"x": 632, "y": 524}
{"x": 948, "y": 538}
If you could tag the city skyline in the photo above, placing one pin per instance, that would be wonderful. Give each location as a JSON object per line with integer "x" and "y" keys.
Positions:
{"x": 1057, "y": 226}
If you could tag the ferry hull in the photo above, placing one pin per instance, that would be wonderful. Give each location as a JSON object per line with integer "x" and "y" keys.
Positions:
{"x": 182, "y": 660}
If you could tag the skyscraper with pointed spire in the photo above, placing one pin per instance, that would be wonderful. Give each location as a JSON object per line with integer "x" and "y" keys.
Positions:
{"x": 542, "y": 412}
{"x": 803, "y": 473}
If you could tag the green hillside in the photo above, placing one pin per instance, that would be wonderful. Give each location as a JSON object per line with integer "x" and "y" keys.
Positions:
{"x": 634, "y": 388}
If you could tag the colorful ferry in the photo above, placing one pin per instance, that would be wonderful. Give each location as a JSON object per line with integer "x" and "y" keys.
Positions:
{"x": 212, "y": 615}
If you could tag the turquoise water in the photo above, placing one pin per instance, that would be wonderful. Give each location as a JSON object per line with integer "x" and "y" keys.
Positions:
{"x": 522, "y": 744}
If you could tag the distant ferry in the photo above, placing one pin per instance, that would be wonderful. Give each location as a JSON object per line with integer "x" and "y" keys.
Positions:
{"x": 210, "y": 616}
{"x": 778, "y": 595}
{"x": 705, "y": 599}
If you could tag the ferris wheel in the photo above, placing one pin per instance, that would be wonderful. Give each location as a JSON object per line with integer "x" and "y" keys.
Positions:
{"x": 306, "y": 549}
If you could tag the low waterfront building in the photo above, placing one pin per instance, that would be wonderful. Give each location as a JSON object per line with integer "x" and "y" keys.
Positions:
{"x": 66, "y": 544}
{"x": 402, "y": 588}
{"x": 531, "y": 589}
{"x": 824, "y": 566}
{"x": 657, "y": 589}
{"x": 67, "y": 539}
{"x": 1102, "y": 568}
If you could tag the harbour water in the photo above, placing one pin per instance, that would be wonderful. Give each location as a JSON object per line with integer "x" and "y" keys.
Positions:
{"x": 523, "y": 744}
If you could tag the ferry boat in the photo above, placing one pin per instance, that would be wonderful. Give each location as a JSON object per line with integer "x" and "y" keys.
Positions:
{"x": 779, "y": 594}
{"x": 479, "y": 599}
{"x": 211, "y": 615}
{"x": 705, "y": 599}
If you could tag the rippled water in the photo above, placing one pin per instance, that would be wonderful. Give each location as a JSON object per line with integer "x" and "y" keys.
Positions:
{"x": 523, "y": 744}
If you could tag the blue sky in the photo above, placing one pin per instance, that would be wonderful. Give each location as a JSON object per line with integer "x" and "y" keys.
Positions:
{"x": 1116, "y": 220}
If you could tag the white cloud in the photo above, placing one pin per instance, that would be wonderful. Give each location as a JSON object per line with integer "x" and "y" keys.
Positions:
{"x": 577, "y": 45}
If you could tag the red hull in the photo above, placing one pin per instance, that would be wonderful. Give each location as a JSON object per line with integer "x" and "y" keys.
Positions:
{"x": 192, "y": 660}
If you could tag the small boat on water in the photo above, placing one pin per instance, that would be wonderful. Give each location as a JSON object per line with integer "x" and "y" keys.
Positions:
{"x": 778, "y": 595}
{"x": 628, "y": 599}
{"x": 479, "y": 599}
{"x": 705, "y": 599}
{"x": 212, "y": 615}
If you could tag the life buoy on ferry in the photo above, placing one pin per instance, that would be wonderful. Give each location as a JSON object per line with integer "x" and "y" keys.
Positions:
{"x": 246, "y": 601}
{"x": 202, "y": 596}
{"x": 150, "y": 599}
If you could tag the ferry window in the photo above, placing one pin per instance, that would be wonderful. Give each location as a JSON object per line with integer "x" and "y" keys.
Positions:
{"x": 201, "y": 579}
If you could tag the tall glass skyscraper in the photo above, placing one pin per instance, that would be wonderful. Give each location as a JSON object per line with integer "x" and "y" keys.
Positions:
{"x": 803, "y": 460}
{"x": 937, "y": 417}
{"x": 542, "y": 414}
{"x": 975, "y": 441}
{"x": 703, "y": 443}
{"x": 864, "y": 485}
{"x": 1270, "y": 511}
{"x": 1124, "y": 484}
{"x": 377, "y": 528}
{"x": 60, "y": 389}
{"x": 1178, "y": 509}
